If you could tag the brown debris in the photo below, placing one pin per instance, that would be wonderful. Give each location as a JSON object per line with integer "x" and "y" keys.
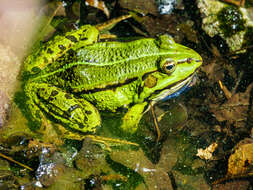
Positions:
{"x": 141, "y": 6}
{"x": 242, "y": 185}
{"x": 239, "y": 3}
{"x": 99, "y": 5}
{"x": 207, "y": 153}
{"x": 234, "y": 109}
{"x": 241, "y": 161}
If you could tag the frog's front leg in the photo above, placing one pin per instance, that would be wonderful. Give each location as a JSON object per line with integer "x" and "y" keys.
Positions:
{"x": 133, "y": 116}
{"x": 64, "y": 107}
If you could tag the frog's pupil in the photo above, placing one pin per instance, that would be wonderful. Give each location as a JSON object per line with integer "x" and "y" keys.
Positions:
{"x": 169, "y": 67}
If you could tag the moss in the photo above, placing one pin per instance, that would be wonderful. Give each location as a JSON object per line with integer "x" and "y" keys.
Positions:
{"x": 231, "y": 21}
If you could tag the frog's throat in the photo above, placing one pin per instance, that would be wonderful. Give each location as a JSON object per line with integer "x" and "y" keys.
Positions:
{"x": 172, "y": 89}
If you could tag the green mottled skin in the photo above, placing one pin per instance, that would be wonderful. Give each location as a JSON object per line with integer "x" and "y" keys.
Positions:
{"x": 74, "y": 83}
{"x": 49, "y": 53}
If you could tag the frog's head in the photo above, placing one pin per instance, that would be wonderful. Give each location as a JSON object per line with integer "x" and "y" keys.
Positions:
{"x": 176, "y": 70}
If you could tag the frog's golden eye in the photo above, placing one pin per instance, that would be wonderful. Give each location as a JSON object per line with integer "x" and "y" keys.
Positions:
{"x": 169, "y": 66}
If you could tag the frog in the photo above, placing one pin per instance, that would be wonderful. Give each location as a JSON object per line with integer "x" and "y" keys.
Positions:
{"x": 74, "y": 77}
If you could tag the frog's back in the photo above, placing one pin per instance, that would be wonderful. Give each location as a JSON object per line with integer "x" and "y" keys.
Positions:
{"x": 109, "y": 63}
{"x": 110, "y": 53}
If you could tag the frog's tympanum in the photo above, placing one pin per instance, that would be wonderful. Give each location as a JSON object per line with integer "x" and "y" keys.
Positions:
{"x": 71, "y": 77}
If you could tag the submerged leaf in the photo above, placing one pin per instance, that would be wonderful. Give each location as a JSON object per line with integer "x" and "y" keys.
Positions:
{"x": 234, "y": 109}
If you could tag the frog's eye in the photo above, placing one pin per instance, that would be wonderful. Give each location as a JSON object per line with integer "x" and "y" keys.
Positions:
{"x": 169, "y": 66}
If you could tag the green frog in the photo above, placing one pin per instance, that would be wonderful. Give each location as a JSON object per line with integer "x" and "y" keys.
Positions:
{"x": 73, "y": 77}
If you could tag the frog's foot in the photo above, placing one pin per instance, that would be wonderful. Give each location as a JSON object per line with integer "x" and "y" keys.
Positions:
{"x": 64, "y": 107}
{"x": 132, "y": 118}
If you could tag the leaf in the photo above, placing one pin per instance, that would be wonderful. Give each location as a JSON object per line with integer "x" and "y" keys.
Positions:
{"x": 44, "y": 29}
{"x": 234, "y": 109}
{"x": 207, "y": 153}
{"x": 155, "y": 177}
{"x": 241, "y": 161}
{"x": 140, "y": 6}
{"x": 99, "y": 5}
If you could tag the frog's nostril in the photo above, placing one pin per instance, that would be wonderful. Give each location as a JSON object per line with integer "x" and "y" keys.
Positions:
{"x": 189, "y": 60}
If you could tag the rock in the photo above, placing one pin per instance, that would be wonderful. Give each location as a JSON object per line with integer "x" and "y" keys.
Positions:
{"x": 9, "y": 68}
{"x": 229, "y": 22}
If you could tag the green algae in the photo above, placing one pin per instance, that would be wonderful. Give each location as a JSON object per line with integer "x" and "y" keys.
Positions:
{"x": 231, "y": 21}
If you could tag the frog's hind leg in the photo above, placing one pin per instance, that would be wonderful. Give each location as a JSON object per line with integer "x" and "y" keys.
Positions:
{"x": 53, "y": 49}
{"x": 63, "y": 107}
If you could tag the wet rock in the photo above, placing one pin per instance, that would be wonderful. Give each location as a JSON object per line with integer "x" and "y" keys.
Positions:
{"x": 9, "y": 68}
{"x": 166, "y": 6}
{"x": 8, "y": 180}
{"x": 227, "y": 21}
{"x": 4, "y": 105}
{"x": 241, "y": 161}
{"x": 141, "y": 6}
{"x": 154, "y": 176}
{"x": 91, "y": 159}
{"x": 190, "y": 182}
{"x": 4, "y": 165}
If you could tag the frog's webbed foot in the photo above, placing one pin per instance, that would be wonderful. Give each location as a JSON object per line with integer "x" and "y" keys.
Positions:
{"x": 63, "y": 107}
{"x": 132, "y": 118}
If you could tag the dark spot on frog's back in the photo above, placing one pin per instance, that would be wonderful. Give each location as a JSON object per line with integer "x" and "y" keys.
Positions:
{"x": 80, "y": 125}
{"x": 68, "y": 96}
{"x": 85, "y": 119}
{"x": 50, "y": 51}
{"x": 37, "y": 114}
{"x": 62, "y": 47}
{"x": 36, "y": 69}
{"x": 88, "y": 112}
{"x": 71, "y": 38}
{"x": 54, "y": 93}
{"x": 83, "y": 39}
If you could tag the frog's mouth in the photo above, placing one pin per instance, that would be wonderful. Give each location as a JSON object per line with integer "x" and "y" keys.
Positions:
{"x": 175, "y": 90}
